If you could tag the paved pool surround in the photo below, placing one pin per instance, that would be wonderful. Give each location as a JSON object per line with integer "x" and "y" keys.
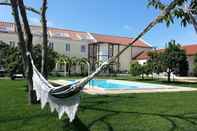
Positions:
{"x": 158, "y": 88}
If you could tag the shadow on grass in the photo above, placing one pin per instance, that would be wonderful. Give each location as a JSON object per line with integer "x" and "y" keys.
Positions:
{"x": 78, "y": 125}
{"x": 170, "y": 118}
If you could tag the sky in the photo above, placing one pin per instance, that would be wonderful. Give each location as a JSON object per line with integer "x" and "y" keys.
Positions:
{"x": 112, "y": 17}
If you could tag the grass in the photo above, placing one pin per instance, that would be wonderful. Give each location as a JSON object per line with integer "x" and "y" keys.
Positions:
{"x": 130, "y": 78}
{"x": 129, "y": 112}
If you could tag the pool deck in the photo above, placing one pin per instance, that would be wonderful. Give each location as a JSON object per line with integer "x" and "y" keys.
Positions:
{"x": 100, "y": 91}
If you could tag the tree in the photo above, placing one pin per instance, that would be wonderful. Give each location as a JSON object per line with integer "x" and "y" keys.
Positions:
{"x": 73, "y": 64}
{"x": 27, "y": 66}
{"x": 42, "y": 14}
{"x": 60, "y": 60}
{"x": 155, "y": 62}
{"x": 69, "y": 62}
{"x": 12, "y": 60}
{"x": 82, "y": 62}
{"x": 147, "y": 69}
{"x": 37, "y": 56}
{"x": 183, "y": 64}
{"x": 172, "y": 58}
{"x": 4, "y": 51}
{"x": 44, "y": 39}
{"x": 25, "y": 43}
{"x": 135, "y": 69}
{"x": 185, "y": 10}
{"x": 195, "y": 65}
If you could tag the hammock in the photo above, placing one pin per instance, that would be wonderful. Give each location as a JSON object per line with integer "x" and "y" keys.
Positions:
{"x": 63, "y": 99}
{"x": 59, "y": 98}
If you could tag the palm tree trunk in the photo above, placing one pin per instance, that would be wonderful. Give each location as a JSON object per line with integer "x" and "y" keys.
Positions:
{"x": 169, "y": 74}
{"x": 28, "y": 41}
{"x": 69, "y": 70}
{"x": 65, "y": 67}
{"x": 21, "y": 41}
{"x": 158, "y": 19}
{"x": 24, "y": 44}
{"x": 44, "y": 39}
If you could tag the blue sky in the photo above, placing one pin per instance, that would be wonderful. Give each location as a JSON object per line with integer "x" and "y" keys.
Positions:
{"x": 113, "y": 17}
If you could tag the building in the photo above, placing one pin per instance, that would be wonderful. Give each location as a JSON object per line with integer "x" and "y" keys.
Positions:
{"x": 96, "y": 47}
{"x": 190, "y": 51}
{"x": 107, "y": 46}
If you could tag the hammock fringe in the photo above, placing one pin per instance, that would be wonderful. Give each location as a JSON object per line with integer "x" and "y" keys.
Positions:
{"x": 42, "y": 88}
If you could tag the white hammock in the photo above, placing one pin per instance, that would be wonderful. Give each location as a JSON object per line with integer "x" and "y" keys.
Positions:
{"x": 62, "y": 105}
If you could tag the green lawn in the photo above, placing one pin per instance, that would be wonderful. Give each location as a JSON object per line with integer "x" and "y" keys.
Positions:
{"x": 129, "y": 112}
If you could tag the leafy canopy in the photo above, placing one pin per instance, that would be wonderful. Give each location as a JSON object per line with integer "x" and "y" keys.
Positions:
{"x": 185, "y": 11}
{"x": 11, "y": 58}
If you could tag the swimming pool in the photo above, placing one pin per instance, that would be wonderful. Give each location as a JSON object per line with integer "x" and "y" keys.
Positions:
{"x": 120, "y": 84}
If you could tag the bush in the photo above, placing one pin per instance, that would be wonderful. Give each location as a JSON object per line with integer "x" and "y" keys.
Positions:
{"x": 135, "y": 69}
{"x": 195, "y": 69}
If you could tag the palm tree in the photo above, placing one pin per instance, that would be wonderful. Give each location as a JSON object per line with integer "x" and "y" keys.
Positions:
{"x": 60, "y": 61}
{"x": 68, "y": 62}
{"x": 73, "y": 64}
{"x": 82, "y": 62}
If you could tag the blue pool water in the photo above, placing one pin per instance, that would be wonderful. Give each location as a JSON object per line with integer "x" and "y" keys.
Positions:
{"x": 106, "y": 84}
{"x": 116, "y": 84}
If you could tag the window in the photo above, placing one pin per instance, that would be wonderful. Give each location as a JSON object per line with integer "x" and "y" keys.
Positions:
{"x": 110, "y": 50}
{"x": 51, "y": 45}
{"x": 67, "y": 47}
{"x": 12, "y": 43}
{"x": 83, "y": 48}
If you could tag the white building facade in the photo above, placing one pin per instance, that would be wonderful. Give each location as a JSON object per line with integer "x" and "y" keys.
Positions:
{"x": 95, "y": 47}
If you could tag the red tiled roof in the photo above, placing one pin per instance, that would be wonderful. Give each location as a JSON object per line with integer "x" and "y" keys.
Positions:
{"x": 74, "y": 35}
{"x": 190, "y": 50}
{"x": 78, "y": 35}
{"x": 53, "y": 32}
{"x": 142, "y": 56}
{"x": 118, "y": 40}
